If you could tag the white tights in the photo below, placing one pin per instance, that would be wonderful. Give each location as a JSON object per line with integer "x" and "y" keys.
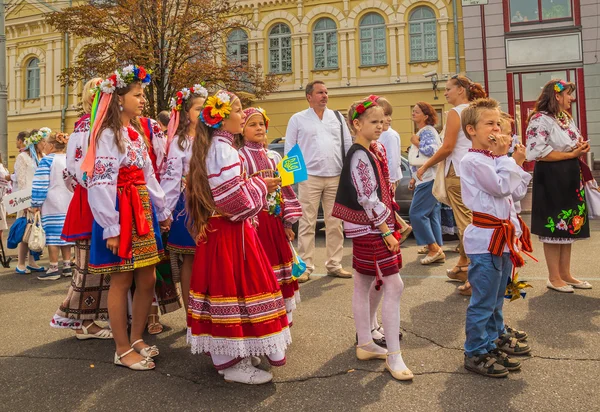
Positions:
{"x": 390, "y": 311}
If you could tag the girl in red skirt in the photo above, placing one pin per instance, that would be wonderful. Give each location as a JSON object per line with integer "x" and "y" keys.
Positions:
{"x": 236, "y": 309}
{"x": 364, "y": 202}
{"x": 283, "y": 208}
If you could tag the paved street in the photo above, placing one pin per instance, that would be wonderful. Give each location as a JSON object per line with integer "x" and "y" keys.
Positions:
{"x": 48, "y": 369}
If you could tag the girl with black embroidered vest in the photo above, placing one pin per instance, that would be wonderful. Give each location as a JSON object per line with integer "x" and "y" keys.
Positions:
{"x": 364, "y": 202}
{"x": 127, "y": 203}
{"x": 236, "y": 309}
{"x": 283, "y": 208}
{"x": 185, "y": 109}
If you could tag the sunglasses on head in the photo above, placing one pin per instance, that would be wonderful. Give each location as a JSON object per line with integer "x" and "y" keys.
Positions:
{"x": 461, "y": 82}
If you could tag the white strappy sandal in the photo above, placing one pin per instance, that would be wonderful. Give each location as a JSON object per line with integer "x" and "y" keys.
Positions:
{"x": 148, "y": 352}
{"x": 143, "y": 365}
{"x": 101, "y": 334}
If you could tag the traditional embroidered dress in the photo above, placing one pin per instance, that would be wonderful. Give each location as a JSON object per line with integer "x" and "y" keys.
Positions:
{"x": 173, "y": 183}
{"x": 236, "y": 307}
{"x": 282, "y": 211}
{"x": 558, "y": 212}
{"x": 364, "y": 201}
{"x": 52, "y": 194}
{"x": 24, "y": 170}
{"x": 87, "y": 298}
{"x": 126, "y": 201}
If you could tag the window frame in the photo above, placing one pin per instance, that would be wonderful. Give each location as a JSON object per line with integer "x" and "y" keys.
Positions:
{"x": 372, "y": 39}
{"x": 325, "y": 45}
{"x": 422, "y": 34}
{"x": 540, "y": 19}
{"x": 237, "y": 43}
{"x": 29, "y": 72}
{"x": 279, "y": 36}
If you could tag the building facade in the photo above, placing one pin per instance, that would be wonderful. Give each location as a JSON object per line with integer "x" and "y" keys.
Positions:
{"x": 358, "y": 47}
{"x": 516, "y": 46}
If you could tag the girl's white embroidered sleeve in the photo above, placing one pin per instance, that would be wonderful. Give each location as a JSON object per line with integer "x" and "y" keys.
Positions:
{"x": 102, "y": 186}
{"x": 365, "y": 183}
{"x": 172, "y": 175}
{"x": 538, "y": 136}
{"x": 237, "y": 198}
{"x": 41, "y": 182}
{"x": 157, "y": 195}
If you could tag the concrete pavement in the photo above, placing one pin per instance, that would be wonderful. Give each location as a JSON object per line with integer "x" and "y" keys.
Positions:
{"x": 48, "y": 369}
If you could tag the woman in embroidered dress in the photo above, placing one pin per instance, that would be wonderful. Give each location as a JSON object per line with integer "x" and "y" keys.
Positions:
{"x": 283, "y": 208}
{"x": 185, "y": 109}
{"x": 558, "y": 212}
{"x": 25, "y": 166}
{"x": 51, "y": 195}
{"x": 425, "y": 210}
{"x": 460, "y": 90}
{"x": 364, "y": 202}
{"x": 127, "y": 203}
{"x": 236, "y": 309}
{"x": 86, "y": 299}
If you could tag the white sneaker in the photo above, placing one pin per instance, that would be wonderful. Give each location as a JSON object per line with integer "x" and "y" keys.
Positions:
{"x": 244, "y": 372}
{"x": 254, "y": 359}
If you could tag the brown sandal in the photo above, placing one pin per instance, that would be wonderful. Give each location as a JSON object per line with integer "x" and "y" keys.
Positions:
{"x": 465, "y": 289}
{"x": 458, "y": 273}
{"x": 154, "y": 326}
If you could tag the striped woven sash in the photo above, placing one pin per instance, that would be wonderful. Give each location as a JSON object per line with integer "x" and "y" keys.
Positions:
{"x": 504, "y": 233}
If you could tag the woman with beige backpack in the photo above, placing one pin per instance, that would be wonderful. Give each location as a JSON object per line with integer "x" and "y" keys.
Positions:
{"x": 460, "y": 90}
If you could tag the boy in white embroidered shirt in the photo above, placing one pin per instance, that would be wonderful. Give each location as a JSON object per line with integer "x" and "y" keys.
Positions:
{"x": 490, "y": 177}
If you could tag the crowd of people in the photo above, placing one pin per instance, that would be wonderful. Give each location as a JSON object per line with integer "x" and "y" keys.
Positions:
{"x": 190, "y": 211}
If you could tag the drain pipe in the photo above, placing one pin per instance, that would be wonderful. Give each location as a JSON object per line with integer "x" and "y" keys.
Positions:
{"x": 456, "y": 42}
{"x": 63, "y": 114}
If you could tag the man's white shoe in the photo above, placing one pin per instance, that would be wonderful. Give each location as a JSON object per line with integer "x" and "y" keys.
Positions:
{"x": 244, "y": 372}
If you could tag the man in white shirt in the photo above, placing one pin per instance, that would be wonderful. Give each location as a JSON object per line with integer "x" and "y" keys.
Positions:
{"x": 324, "y": 139}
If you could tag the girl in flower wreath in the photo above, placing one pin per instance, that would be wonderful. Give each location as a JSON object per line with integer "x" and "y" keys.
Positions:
{"x": 127, "y": 204}
{"x": 364, "y": 202}
{"x": 275, "y": 222}
{"x": 185, "y": 109}
{"x": 236, "y": 309}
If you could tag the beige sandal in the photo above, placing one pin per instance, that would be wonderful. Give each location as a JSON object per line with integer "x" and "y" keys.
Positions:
{"x": 143, "y": 365}
{"x": 423, "y": 251}
{"x": 363, "y": 354}
{"x": 439, "y": 257}
{"x": 148, "y": 351}
{"x": 154, "y": 326}
{"x": 103, "y": 333}
{"x": 404, "y": 375}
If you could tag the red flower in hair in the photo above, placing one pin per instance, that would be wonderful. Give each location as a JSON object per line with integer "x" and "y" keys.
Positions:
{"x": 210, "y": 119}
{"x": 360, "y": 109}
{"x": 113, "y": 79}
{"x": 180, "y": 95}
{"x": 141, "y": 73}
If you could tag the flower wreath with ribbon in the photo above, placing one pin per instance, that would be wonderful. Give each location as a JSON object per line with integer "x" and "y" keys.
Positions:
{"x": 121, "y": 78}
{"x": 217, "y": 108}
{"x": 362, "y": 107}
{"x": 42, "y": 134}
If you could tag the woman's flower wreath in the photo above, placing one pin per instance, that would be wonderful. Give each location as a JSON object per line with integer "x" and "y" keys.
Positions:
{"x": 216, "y": 109}
{"x": 125, "y": 76}
{"x": 41, "y": 134}
{"x": 184, "y": 94}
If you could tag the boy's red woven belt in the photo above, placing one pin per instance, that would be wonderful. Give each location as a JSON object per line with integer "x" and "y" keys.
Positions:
{"x": 504, "y": 234}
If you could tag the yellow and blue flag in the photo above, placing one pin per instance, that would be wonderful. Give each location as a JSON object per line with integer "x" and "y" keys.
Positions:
{"x": 292, "y": 168}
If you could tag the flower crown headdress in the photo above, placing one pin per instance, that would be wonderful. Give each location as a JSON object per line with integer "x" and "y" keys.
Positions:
{"x": 251, "y": 111}
{"x": 560, "y": 86}
{"x": 35, "y": 138}
{"x": 184, "y": 94}
{"x": 62, "y": 138}
{"x": 362, "y": 107}
{"x": 119, "y": 79}
{"x": 217, "y": 108}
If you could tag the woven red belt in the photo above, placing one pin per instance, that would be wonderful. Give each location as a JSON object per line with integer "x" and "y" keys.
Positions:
{"x": 130, "y": 208}
{"x": 504, "y": 233}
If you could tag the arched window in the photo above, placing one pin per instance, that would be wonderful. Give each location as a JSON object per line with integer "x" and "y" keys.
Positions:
{"x": 33, "y": 78}
{"x": 325, "y": 44}
{"x": 280, "y": 49}
{"x": 237, "y": 46}
{"x": 423, "y": 35}
{"x": 372, "y": 40}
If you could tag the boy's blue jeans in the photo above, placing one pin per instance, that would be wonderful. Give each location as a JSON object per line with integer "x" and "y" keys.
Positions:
{"x": 488, "y": 275}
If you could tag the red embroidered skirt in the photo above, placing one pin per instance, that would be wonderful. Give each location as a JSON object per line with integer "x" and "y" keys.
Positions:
{"x": 370, "y": 252}
{"x": 78, "y": 222}
{"x": 277, "y": 247}
{"x": 235, "y": 305}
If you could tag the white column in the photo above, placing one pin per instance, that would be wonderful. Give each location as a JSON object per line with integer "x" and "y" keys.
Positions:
{"x": 402, "y": 52}
{"x": 252, "y": 53}
{"x": 296, "y": 41}
{"x": 12, "y": 83}
{"x": 305, "y": 72}
{"x": 260, "y": 54}
{"x": 353, "y": 60}
{"x": 59, "y": 58}
{"x": 343, "y": 57}
{"x": 393, "y": 53}
{"x": 19, "y": 90}
{"x": 444, "y": 43}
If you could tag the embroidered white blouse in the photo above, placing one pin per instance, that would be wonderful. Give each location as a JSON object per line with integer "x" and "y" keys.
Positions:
{"x": 24, "y": 170}
{"x": 364, "y": 181}
{"x": 487, "y": 186}
{"x": 176, "y": 168}
{"x": 77, "y": 149}
{"x": 544, "y": 135}
{"x": 102, "y": 186}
